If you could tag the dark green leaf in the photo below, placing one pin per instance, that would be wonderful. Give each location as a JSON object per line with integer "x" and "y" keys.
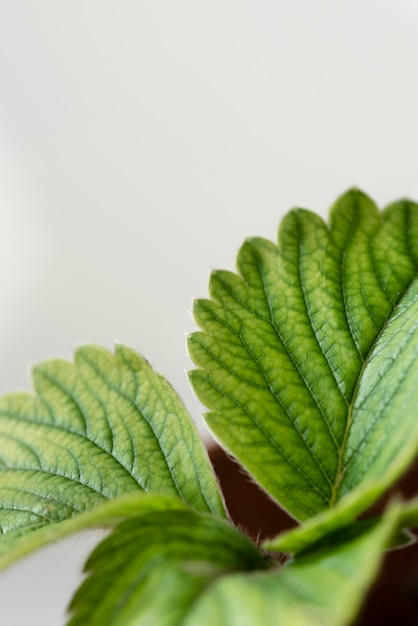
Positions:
{"x": 323, "y": 588}
{"x": 152, "y": 569}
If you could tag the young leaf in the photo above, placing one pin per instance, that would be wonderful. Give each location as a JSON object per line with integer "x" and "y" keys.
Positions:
{"x": 103, "y": 427}
{"x": 307, "y": 355}
{"x": 151, "y": 570}
{"x": 327, "y": 522}
{"x": 409, "y": 514}
{"x": 324, "y": 588}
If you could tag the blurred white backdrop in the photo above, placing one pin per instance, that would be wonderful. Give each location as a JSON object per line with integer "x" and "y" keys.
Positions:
{"x": 141, "y": 142}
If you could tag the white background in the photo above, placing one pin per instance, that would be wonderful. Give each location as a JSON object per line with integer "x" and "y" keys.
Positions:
{"x": 141, "y": 142}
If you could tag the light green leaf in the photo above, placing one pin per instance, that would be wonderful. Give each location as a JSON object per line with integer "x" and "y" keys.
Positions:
{"x": 307, "y": 355}
{"x": 150, "y": 570}
{"x": 320, "y": 526}
{"x": 325, "y": 588}
{"x": 103, "y": 427}
{"x": 409, "y": 514}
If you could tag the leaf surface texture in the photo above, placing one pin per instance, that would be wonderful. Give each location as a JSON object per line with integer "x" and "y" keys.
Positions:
{"x": 181, "y": 568}
{"x": 306, "y": 358}
{"x": 323, "y": 588}
{"x": 105, "y": 426}
{"x": 152, "y": 569}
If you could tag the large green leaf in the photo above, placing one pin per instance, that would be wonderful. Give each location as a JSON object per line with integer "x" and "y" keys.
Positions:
{"x": 103, "y": 427}
{"x": 307, "y": 355}
{"x": 325, "y": 588}
{"x": 182, "y": 568}
{"x": 151, "y": 569}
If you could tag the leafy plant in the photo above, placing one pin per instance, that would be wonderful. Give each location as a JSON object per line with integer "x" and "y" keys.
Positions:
{"x": 306, "y": 361}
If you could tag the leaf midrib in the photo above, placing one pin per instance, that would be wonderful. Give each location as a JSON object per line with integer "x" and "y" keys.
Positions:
{"x": 341, "y": 469}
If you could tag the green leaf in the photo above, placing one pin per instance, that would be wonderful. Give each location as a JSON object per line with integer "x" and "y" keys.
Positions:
{"x": 151, "y": 570}
{"x": 409, "y": 514}
{"x": 22, "y": 541}
{"x": 103, "y": 427}
{"x": 306, "y": 359}
{"x": 320, "y": 526}
{"x": 324, "y": 588}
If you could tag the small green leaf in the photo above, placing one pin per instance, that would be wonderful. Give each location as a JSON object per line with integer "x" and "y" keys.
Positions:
{"x": 307, "y": 355}
{"x": 409, "y": 514}
{"x": 325, "y": 523}
{"x": 150, "y": 570}
{"x": 323, "y": 588}
{"x": 103, "y": 427}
